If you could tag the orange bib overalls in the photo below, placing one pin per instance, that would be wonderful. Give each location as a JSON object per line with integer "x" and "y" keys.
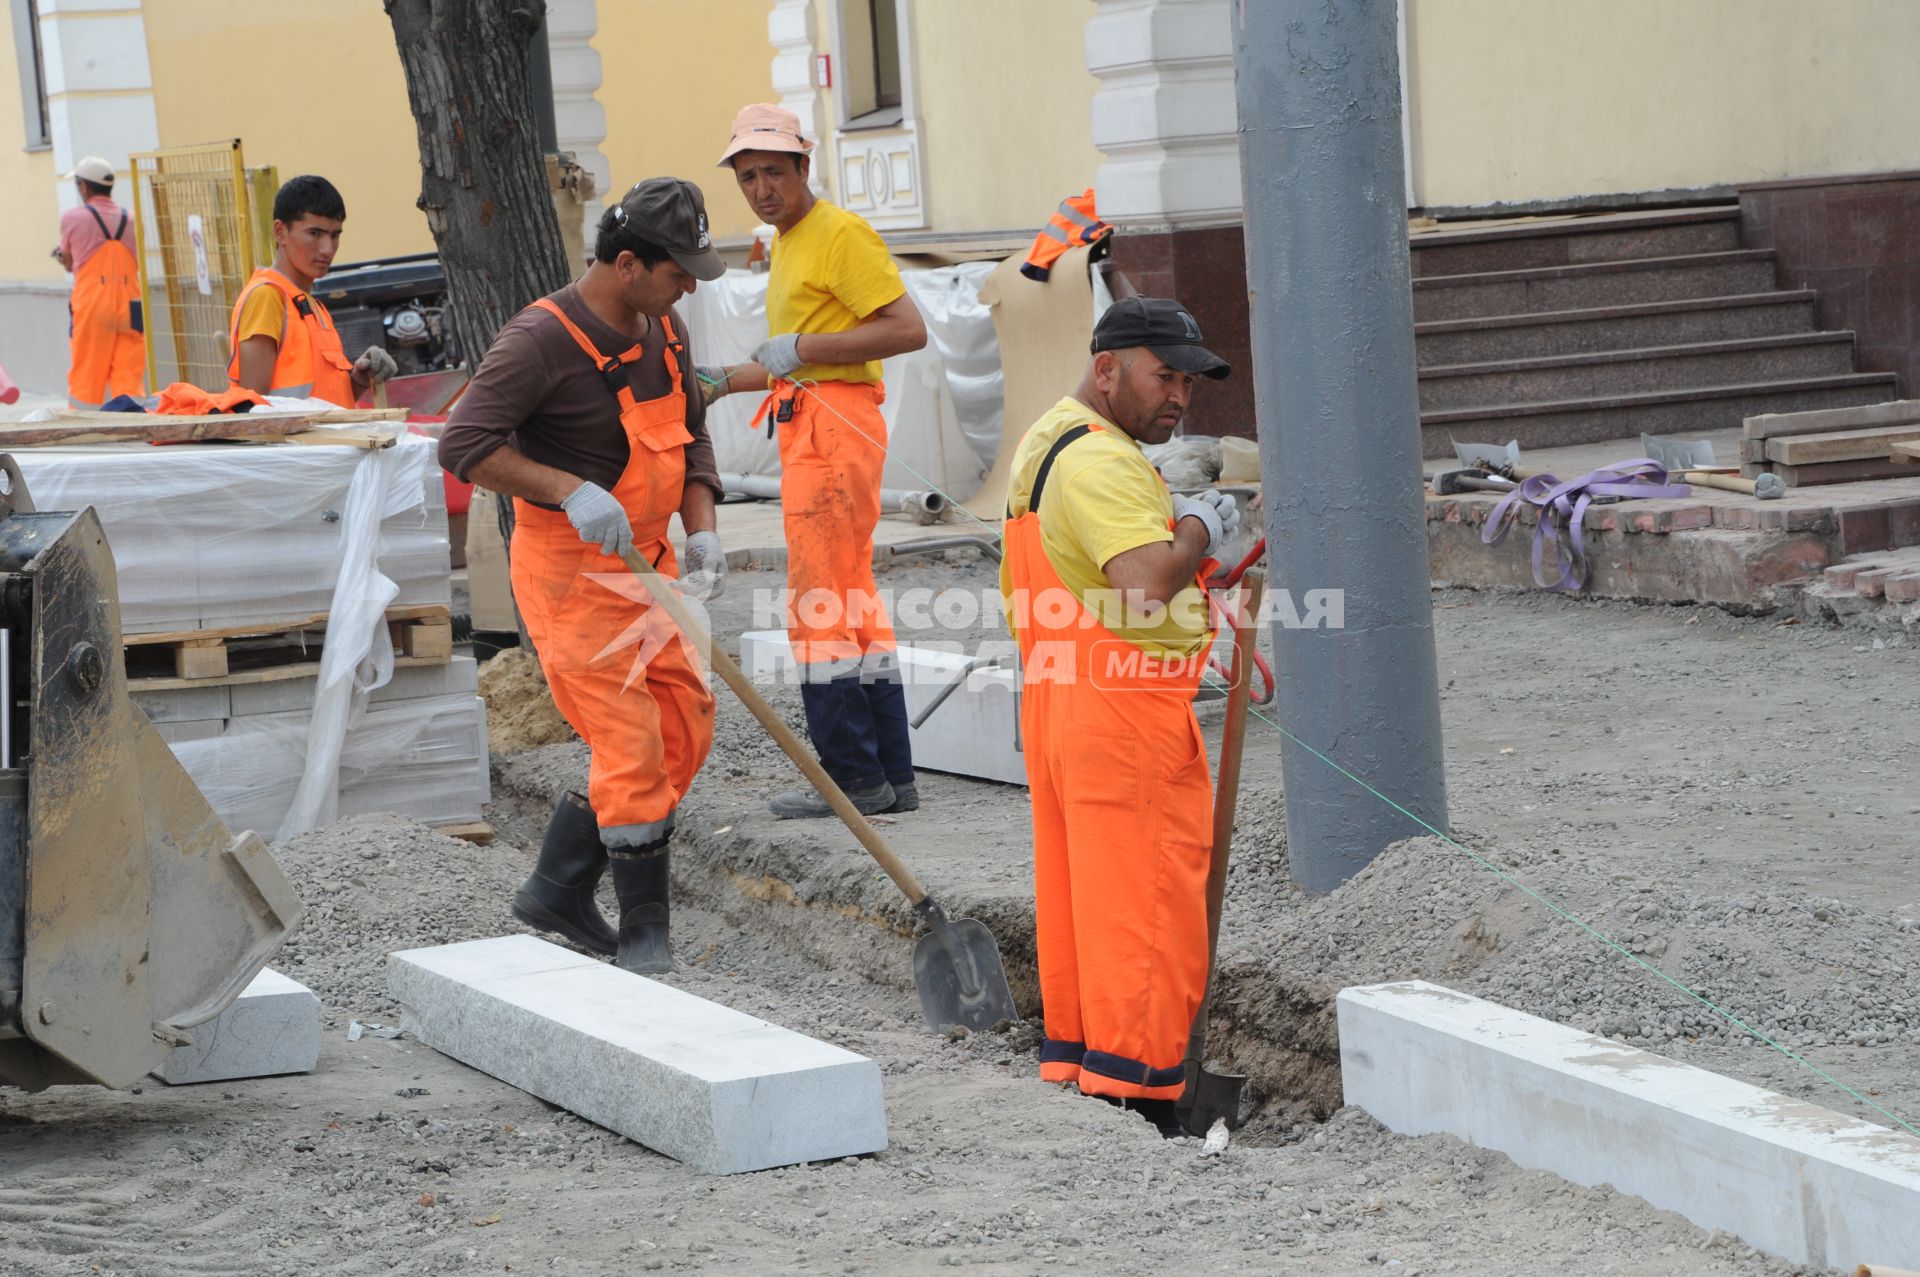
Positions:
{"x": 617, "y": 667}
{"x": 109, "y": 351}
{"x": 1122, "y": 829}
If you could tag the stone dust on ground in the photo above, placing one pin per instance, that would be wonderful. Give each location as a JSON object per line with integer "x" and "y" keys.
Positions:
{"x": 393, "y": 1159}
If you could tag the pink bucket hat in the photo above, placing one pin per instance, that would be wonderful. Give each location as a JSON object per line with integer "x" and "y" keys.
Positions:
{"x": 764, "y": 127}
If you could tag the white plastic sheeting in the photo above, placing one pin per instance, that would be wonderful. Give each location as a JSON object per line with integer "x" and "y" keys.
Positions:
{"x": 943, "y": 402}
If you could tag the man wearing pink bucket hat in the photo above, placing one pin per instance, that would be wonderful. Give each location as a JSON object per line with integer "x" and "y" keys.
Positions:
{"x": 836, "y": 306}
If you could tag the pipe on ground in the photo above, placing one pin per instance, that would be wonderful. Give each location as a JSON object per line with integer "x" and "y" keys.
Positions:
{"x": 924, "y": 505}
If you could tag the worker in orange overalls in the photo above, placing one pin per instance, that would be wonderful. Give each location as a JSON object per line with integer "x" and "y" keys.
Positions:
{"x": 1103, "y": 578}
{"x": 836, "y": 306}
{"x": 283, "y": 340}
{"x": 580, "y": 412}
{"x": 98, "y": 241}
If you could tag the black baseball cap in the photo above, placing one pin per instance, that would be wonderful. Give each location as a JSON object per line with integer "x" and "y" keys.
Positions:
{"x": 673, "y": 214}
{"x": 1162, "y": 326}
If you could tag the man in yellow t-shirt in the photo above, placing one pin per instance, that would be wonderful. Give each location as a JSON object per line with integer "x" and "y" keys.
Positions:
{"x": 836, "y": 307}
{"x": 1101, "y": 575}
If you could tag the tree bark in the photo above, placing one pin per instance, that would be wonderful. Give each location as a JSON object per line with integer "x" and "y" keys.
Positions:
{"x": 483, "y": 182}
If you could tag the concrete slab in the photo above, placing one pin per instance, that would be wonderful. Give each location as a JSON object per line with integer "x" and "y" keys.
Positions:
{"x": 975, "y": 732}
{"x": 1786, "y": 1176}
{"x": 273, "y": 1027}
{"x": 704, "y": 1084}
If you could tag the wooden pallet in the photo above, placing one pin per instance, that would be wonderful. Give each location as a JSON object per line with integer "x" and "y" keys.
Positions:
{"x": 423, "y": 632}
{"x": 478, "y": 832}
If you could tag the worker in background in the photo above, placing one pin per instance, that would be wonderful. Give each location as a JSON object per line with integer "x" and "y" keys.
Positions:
{"x": 98, "y": 241}
{"x": 836, "y": 306}
{"x": 581, "y": 412}
{"x": 284, "y": 341}
{"x": 1103, "y": 580}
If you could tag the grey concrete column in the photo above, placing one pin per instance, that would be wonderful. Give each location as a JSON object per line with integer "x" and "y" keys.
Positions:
{"x": 1329, "y": 284}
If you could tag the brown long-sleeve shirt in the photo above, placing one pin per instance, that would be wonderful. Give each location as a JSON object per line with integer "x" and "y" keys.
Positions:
{"x": 537, "y": 390}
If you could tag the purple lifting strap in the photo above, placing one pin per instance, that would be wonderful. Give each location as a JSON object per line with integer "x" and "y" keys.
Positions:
{"x": 1563, "y": 508}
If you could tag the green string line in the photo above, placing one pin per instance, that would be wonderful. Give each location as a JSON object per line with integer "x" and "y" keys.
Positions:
{"x": 1499, "y": 873}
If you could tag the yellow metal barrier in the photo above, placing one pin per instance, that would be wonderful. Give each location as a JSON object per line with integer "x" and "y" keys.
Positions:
{"x": 194, "y": 205}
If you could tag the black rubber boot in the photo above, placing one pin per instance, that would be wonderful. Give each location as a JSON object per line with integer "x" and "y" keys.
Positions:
{"x": 640, "y": 883}
{"x": 558, "y": 895}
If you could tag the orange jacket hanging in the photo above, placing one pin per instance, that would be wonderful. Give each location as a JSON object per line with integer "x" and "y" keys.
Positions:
{"x": 1073, "y": 224}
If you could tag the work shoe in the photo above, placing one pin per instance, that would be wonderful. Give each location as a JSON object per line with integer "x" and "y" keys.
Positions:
{"x": 640, "y": 884}
{"x": 807, "y": 804}
{"x": 558, "y": 895}
{"x": 906, "y": 797}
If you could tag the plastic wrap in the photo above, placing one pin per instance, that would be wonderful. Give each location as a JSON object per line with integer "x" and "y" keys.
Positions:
{"x": 219, "y": 536}
{"x": 943, "y": 402}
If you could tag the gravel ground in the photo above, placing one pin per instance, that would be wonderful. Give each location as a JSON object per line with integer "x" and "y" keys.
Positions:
{"x": 1664, "y": 823}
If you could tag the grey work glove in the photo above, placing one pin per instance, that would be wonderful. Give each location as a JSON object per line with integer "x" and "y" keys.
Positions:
{"x": 780, "y": 356}
{"x": 1217, "y": 511}
{"x": 375, "y": 366}
{"x": 712, "y": 379}
{"x": 703, "y": 569}
{"x": 597, "y": 517}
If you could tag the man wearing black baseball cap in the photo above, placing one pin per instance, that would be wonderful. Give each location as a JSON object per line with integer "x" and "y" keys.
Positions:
{"x": 586, "y": 412}
{"x": 1102, "y": 573}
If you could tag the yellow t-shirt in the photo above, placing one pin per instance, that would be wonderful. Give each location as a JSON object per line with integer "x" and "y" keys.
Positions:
{"x": 1103, "y": 498}
{"x": 828, "y": 273}
{"x": 263, "y": 314}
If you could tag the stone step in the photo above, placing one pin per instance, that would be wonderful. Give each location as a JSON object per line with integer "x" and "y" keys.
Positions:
{"x": 1569, "y": 332}
{"x": 1557, "y": 288}
{"x": 1627, "y": 372}
{"x": 1574, "y": 241}
{"x": 1682, "y": 411}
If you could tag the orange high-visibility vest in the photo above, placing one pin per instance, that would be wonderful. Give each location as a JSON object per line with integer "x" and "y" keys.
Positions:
{"x": 1072, "y": 224}
{"x": 309, "y": 363}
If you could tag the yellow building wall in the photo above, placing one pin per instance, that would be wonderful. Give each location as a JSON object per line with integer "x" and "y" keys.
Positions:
{"x": 1004, "y": 100}
{"x": 30, "y": 207}
{"x": 1526, "y": 100}
{"x": 308, "y": 88}
{"x": 672, "y": 76}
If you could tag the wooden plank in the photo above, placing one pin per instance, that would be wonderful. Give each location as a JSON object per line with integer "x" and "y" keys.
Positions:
{"x": 431, "y": 640}
{"x": 149, "y": 428}
{"x": 1838, "y": 445}
{"x": 478, "y": 832}
{"x": 268, "y": 674}
{"x": 1841, "y": 472}
{"x": 411, "y": 612}
{"x": 200, "y": 659}
{"x": 1907, "y": 452}
{"x": 1899, "y": 412}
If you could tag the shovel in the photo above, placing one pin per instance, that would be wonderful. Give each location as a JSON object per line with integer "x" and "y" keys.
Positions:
{"x": 956, "y": 965}
{"x": 1211, "y": 1096}
{"x": 1691, "y": 461}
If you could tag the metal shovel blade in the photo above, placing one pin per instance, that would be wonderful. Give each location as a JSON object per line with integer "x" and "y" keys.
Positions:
{"x": 1214, "y": 1096}
{"x": 1500, "y": 458}
{"x": 1678, "y": 454}
{"x": 958, "y": 971}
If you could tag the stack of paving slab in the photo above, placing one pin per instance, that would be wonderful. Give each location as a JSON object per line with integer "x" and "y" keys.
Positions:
{"x": 226, "y": 537}
{"x": 1835, "y": 445}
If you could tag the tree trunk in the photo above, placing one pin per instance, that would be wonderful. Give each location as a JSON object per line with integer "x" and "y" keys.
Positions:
{"x": 483, "y": 177}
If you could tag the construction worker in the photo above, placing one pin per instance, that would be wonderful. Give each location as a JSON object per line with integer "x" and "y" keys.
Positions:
{"x": 581, "y": 413}
{"x": 1103, "y": 581}
{"x": 97, "y": 244}
{"x": 284, "y": 341}
{"x": 836, "y": 307}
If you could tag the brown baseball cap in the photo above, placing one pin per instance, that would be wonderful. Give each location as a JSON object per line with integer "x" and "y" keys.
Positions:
{"x": 672, "y": 213}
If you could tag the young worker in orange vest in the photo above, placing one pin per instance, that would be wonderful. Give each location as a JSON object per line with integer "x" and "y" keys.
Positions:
{"x": 581, "y": 412}
{"x": 284, "y": 341}
{"x": 98, "y": 243}
{"x": 836, "y": 307}
{"x": 1103, "y": 579}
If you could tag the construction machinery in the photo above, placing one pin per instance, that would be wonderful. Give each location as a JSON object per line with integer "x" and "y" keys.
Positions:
{"x": 129, "y": 914}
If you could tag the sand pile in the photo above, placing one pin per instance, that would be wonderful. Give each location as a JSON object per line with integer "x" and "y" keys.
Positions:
{"x": 520, "y": 709}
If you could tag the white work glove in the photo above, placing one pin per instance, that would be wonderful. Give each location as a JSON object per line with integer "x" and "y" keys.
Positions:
{"x": 374, "y": 367}
{"x": 1217, "y": 511}
{"x": 597, "y": 517}
{"x": 780, "y": 356}
{"x": 712, "y": 379}
{"x": 703, "y": 570}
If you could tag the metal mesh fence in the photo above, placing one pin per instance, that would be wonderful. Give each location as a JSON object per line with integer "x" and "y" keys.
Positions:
{"x": 195, "y": 208}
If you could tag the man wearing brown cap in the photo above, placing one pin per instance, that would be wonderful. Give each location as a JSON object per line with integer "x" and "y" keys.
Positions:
{"x": 1103, "y": 576}
{"x": 836, "y": 307}
{"x": 582, "y": 413}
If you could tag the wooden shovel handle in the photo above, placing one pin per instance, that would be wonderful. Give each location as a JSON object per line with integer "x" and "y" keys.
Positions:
{"x": 1233, "y": 735}
{"x": 669, "y": 598}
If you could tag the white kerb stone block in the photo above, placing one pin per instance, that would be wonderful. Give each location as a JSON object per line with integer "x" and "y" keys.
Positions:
{"x": 706, "y": 1085}
{"x": 273, "y": 1027}
{"x": 1784, "y": 1175}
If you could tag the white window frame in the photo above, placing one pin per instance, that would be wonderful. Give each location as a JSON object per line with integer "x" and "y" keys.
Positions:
{"x": 885, "y": 117}
{"x": 34, "y": 111}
